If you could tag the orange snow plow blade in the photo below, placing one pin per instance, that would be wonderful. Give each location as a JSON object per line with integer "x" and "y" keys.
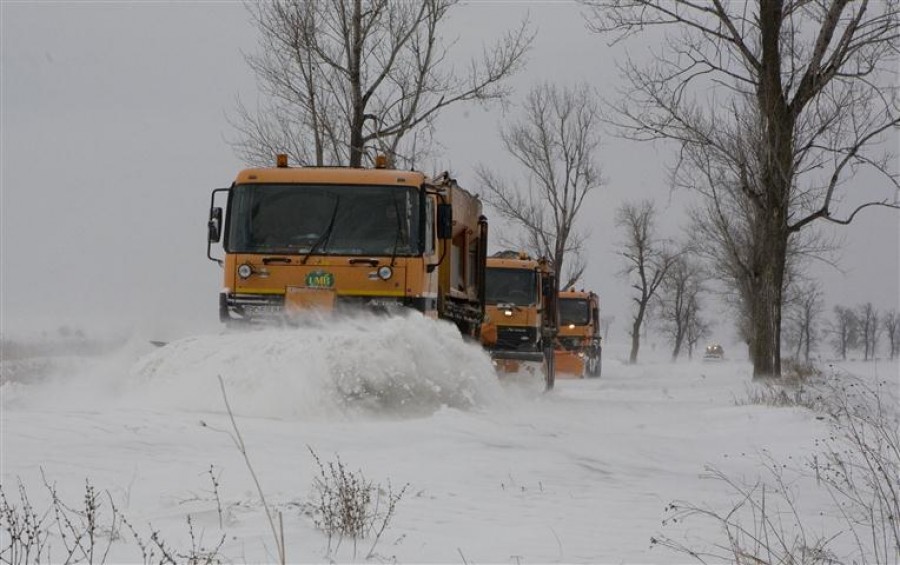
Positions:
{"x": 568, "y": 365}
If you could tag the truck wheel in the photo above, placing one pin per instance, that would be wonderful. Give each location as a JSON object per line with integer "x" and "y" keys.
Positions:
{"x": 595, "y": 365}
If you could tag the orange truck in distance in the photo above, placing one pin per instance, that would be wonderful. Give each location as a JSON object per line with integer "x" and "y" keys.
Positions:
{"x": 334, "y": 239}
{"x": 578, "y": 349}
{"x": 520, "y": 313}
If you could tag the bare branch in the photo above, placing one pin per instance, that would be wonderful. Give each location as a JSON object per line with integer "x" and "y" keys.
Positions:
{"x": 555, "y": 144}
{"x": 774, "y": 106}
{"x": 344, "y": 78}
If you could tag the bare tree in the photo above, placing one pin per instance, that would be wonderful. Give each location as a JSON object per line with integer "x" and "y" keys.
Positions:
{"x": 891, "y": 325}
{"x": 845, "y": 329}
{"x": 803, "y": 316}
{"x": 678, "y": 300}
{"x": 869, "y": 329}
{"x": 555, "y": 143}
{"x": 341, "y": 75}
{"x": 647, "y": 261}
{"x": 727, "y": 221}
{"x": 697, "y": 327}
{"x": 815, "y": 80}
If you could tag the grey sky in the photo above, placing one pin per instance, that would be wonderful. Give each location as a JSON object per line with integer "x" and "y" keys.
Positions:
{"x": 113, "y": 133}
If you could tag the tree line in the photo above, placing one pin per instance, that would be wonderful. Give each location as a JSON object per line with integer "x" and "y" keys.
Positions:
{"x": 863, "y": 329}
{"x": 670, "y": 282}
{"x": 773, "y": 107}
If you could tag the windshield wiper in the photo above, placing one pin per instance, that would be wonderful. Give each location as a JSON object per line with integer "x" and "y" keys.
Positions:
{"x": 399, "y": 228}
{"x": 325, "y": 234}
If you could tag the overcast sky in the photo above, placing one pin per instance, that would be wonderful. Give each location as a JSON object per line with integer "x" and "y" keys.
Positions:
{"x": 114, "y": 131}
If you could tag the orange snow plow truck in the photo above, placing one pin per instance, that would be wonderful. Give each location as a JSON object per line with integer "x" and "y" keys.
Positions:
{"x": 578, "y": 349}
{"x": 298, "y": 239}
{"x": 520, "y": 313}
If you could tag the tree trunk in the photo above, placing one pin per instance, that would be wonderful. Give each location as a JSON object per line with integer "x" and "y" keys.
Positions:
{"x": 771, "y": 197}
{"x": 357, "y": 151}
{"x": 766, "y": 300}
{"x": 866, "y": 342}
{"x": 679, "y": 338}
{"x": 680, "y": 323}
{"x": 636, "y": 334}
{"x": 808, "y": 333}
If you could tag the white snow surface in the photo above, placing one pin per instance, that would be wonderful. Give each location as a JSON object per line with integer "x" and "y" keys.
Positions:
{"x": 498, "y": 471}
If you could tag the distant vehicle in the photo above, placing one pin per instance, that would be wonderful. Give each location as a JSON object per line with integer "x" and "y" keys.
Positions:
{"x": 714, "y": 352}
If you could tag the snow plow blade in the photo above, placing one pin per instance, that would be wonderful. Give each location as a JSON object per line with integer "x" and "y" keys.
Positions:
{"x": 569, "y": 364}
{"x": 534, "y": 356}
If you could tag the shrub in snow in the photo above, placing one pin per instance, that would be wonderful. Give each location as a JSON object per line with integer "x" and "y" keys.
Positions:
{"x": 858, "y": 464}
{"x": 346, "y": 504}
{"x": 83, "y": 533}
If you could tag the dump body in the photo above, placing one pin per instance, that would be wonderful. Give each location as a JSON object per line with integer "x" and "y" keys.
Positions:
{"x": 520, "y": 312}
{"x": 303, "y": 239}
{"x": 578, "y": 348}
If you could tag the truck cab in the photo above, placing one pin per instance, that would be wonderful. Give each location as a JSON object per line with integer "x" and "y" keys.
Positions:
{"x": 298, "y": 240}
{"x": 520, "y": 313}
{"x": 578, "y": 347}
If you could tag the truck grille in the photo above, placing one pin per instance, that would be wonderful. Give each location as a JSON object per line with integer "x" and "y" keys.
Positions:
{"x": 517, "y": 338}
{"x": 570, "y": 343}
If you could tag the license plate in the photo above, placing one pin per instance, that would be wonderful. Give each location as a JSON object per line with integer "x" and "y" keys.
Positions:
{"x": 298, "y": 299}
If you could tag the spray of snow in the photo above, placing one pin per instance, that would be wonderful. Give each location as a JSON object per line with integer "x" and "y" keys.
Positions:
{"x": 364, "y": 366}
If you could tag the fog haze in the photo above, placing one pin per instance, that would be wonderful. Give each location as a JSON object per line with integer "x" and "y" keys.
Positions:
{"x": 114, "y": 131}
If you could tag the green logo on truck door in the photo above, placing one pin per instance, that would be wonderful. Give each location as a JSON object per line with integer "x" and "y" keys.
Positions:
{"x": 320, "y": 279}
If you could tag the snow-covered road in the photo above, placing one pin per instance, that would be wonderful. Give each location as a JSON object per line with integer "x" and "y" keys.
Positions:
{"x": 497, "y": 472}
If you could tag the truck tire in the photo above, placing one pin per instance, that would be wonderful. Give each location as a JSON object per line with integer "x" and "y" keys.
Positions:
{"x": 595, "y": 365}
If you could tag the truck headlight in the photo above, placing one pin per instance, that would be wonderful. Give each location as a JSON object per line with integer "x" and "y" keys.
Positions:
{"x": 245, "y": 270}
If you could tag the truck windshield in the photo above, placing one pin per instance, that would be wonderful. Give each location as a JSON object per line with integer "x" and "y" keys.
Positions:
{"x": 512, "y": 286}
{"x": 574, "y": 311}
{"x": 325, "y": 219}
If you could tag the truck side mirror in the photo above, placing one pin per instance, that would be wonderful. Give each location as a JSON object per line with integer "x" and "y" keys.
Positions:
{"x": 444, "y": 221}
{"x": 214, "y": 226}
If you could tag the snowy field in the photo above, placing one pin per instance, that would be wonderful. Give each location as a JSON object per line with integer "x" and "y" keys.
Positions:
{"x": 497, "y": 472}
